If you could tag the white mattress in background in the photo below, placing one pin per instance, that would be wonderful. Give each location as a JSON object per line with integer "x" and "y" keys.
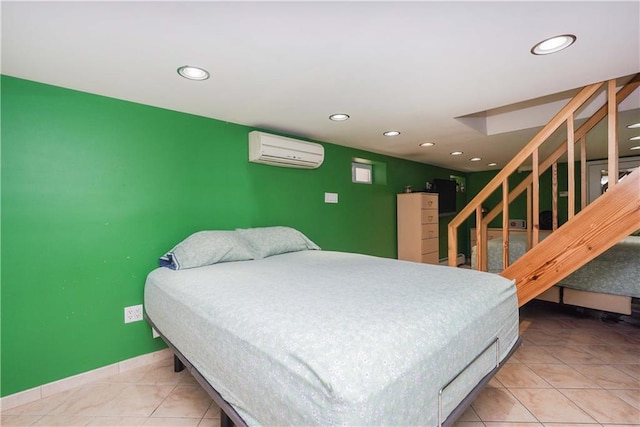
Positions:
{"x": 616, "y": 271}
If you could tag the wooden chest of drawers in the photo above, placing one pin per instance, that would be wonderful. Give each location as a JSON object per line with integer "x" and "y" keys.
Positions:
{"x": 418, "y": 227}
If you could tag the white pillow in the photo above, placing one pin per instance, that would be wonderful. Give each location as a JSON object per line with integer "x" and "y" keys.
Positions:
{"x": 206, "y": 248}
{"x": 268, "y": 241}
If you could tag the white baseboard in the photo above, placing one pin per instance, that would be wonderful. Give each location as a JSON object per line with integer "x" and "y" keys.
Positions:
{"x": 46, "y": 390}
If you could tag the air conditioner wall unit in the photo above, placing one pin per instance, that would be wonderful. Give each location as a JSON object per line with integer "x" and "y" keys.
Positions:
{"x": 285, "y": 152}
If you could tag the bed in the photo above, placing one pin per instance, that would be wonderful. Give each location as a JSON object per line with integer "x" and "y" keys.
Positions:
{"x": 610, "y": 282}
{"x": 311, "y": 337}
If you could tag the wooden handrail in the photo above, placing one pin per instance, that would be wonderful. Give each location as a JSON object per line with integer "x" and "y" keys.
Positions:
{"x": 580, "y": 134}
{"x": 587, "y": 234}
{"x": 613, "y": 100}
{"x": 502, "y": 176}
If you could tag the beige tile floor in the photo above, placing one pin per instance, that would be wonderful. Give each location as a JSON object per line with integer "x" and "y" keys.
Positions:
{"x": 572, "y": 370}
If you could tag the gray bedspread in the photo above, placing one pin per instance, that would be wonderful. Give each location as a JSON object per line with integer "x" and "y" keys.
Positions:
{"x": 328, "y": 338}
{"x": 616, "y": 271}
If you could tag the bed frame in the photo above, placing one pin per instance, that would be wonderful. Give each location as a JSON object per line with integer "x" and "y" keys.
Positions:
{"x": 229, "y": 417}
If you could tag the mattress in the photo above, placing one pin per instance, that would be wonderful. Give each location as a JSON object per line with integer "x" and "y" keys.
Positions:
{"x": 616, "y": 271}
{"x": 326, "y": 338}
{"x": 517, "y": 248}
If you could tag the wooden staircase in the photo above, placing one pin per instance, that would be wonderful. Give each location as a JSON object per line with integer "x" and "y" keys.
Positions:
{"x": 585, "y": 235}
{"x": 602, "y": 224}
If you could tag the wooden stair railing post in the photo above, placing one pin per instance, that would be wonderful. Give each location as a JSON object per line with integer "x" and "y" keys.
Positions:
{"x": 452, "y": 246}
{"x": 583, "y": 172}
{"x": 554, "y": 196}
{"x": 536, "y": 199}
{"x": 484, "y": 243}
{"x": 612, "y": 133}
{"x": 480, "y": 250}
{"x": 505, "y": 223}
{"x": 529, "y": 224}
{"x": 571, "y": 169}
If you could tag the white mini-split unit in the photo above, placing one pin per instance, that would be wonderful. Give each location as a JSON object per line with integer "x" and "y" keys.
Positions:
{"x": 286, "y": 152}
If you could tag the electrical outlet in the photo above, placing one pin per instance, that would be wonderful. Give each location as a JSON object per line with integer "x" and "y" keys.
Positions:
{"x": 133, "y": 313}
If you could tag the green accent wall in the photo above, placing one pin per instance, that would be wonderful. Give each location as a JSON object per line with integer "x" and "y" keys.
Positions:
{"x": 95, "y": 189}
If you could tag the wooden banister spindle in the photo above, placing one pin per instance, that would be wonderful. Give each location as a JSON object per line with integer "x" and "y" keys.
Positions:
{"x": 536, "y": 197}
{"x": 485, "y": 249}
{"x": 554, "y": 196}
{"x": 505, "y": 223}
{"x": 479, "y": 240}
{"x": 612, "y": 152}
{"x": 583, "y": 172}
{"x": 571, "y": 169}
{"x": 529, "y": 224}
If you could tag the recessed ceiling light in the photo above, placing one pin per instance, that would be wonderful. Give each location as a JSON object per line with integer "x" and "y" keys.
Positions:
{"x": 427, "y": 144}
{"x": 475, "y": 159}
{"x": 193, "y": 73}
{"x": 634, "y": 126}
{"x": 339, "y": 117}
{"x": 492, "y": 164}
{"x": 637, "y": 147}
{"x": 553, "y": 44}
{"x": 391, "y": 133}
{"x": 634, "y": 138}
{"x": 456, "y": 153}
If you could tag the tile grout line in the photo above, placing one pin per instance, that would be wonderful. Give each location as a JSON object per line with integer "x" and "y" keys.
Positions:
{"x": 47, "y": 390}
{"x": 163, "y": 400}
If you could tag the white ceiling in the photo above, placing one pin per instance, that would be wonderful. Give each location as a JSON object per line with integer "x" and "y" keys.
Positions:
{"x": 286, "y": 66}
